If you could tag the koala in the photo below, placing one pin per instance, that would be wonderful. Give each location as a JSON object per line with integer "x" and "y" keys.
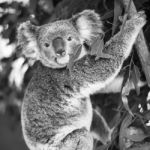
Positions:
{"x": 56, "y": 112}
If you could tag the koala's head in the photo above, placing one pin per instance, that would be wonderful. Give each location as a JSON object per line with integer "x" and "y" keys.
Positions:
{"x": 53, "y": 43}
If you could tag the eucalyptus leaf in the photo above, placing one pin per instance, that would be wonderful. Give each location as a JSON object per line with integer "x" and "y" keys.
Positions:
{"x": 135, "y": 77}
{"x": 135, "y": 134}
{"x": 125, "y": 93}
{"x": 145, "y": 146}
{"x": 124, "y": 19}
{"x": 74, "y": 56}
{"x": 97, "y": 48}
{"x": 122, "y": 133}
{"x": 126, "y": 105}
{"x": 118, "y": 8}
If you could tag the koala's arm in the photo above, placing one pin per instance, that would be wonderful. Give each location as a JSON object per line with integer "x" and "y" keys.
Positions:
{"x": 95, "y": 74}
{"x": 79, "y": 139}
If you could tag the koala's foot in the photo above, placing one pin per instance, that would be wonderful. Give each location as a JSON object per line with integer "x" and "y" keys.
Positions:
{"x": 79, "y": 139}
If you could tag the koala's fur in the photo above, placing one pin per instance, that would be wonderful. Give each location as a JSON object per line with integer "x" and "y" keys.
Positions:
{"x": 56, "y": 111}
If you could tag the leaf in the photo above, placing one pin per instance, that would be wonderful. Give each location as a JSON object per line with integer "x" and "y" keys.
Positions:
{"x": 46, "y": 5}
{"x": 126, "y": 88}
{"x": 115, "y": 119}
{"x": 118, "y": 8}
{"x": 105, "y": 5}
{"x": 122, "y": 134}
{"x": 124, "y": 19}
{"x": 107, "y": 15}
{"x": 97, "y": 48}
{"x": 125, "y": 93}
{"x": 74, "y": 56}
{"x": 104, "y": 132}
{"x": 145, "y": 146}
{"x": 148, "y": 60}
{"x": 102, "y": 147}
{"x": 147, "y": 115}
{"x": 125, "y": 103}
{"x": 33, "y": 6}
{"x": 135, "y": 77}
{"x": 135, "y": 134}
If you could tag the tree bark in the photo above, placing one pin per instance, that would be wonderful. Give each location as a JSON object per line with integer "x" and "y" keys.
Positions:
{"x": 140, "y": 44}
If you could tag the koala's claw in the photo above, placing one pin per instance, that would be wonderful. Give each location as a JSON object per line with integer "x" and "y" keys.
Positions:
{"x": 138, "y": 19}
{"x": 140, "y": 14}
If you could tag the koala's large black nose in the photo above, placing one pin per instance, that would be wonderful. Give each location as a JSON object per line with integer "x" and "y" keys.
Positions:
{"x": 59, "y": 46}
{"x": 60, "y": 52}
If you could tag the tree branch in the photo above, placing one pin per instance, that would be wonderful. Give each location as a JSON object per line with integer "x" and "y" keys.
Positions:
{"x": 140, "y": 44}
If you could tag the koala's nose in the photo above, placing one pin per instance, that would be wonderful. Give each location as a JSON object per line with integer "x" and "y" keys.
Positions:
{"x": 60, "y": 52}
{"x": 59, "y": 46}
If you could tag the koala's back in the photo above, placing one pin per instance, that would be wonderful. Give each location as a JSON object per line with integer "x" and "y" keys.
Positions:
{"x": 52, "y": 107}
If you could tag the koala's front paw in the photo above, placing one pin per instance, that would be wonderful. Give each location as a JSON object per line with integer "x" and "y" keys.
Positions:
{"x": 138, "y": 19}
{"x": 140, "y": 14}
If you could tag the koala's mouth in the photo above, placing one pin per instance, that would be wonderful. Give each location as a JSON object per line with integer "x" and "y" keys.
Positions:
{"x": 61, "y": 61}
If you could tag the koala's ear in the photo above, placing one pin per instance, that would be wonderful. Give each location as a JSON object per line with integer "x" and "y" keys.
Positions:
{"x": 27, "y": 41}
{"x": 88, "y": 23}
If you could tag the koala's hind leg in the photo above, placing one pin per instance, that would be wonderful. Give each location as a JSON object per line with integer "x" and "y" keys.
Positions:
{"x": 79, "y": 139}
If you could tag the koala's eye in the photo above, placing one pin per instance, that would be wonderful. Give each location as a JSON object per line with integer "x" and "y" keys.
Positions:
{"x": 69, "y": 38}
{"x": 46, "y": 44}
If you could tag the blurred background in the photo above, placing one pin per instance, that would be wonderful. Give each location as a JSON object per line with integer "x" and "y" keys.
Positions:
{"x": 15, "y": 72}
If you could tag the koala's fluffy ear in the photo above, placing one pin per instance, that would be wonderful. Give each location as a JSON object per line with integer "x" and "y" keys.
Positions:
{"x": 27, "y": 41}
{"x": 88, "y": 23}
